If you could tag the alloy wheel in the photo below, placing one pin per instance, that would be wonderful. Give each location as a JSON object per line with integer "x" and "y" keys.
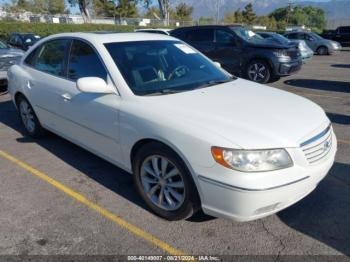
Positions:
{"x": 27, "y": 116}
{"x": 162, "y": 182}
{"x": 257, "y": 72}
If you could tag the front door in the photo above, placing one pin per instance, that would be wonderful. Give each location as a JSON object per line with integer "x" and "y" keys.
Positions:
{"x": 227, "y": 53}
{"x": 90, "y": 119}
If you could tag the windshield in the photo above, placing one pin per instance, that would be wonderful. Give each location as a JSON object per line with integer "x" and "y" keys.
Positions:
{"x": 163, "y": 67}
{"x": 247, "y": 35}
{"x": 281, "y": 39}
{"x": 3, "y": 45}
{"x": 315, "y": 36}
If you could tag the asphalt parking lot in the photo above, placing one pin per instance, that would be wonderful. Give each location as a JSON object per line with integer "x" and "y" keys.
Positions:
{"x": 56, "y": 198}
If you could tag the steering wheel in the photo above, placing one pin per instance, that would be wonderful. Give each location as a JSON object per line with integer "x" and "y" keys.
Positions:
{"x": 178, "y": 72}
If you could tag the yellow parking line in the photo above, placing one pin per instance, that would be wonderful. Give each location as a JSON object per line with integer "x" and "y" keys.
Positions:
{"x": 107, "y": 214}
{"x": 344, "y": 141}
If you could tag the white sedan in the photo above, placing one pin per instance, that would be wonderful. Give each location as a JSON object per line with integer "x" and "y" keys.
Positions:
{"x": 194, "y": 136}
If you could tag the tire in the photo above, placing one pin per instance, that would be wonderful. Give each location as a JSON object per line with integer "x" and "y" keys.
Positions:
{"x": 322, "y": 50}
{"x": 28, "y": 117}
{"x": 258, "y": 71}
{"x": 172, "y": 198}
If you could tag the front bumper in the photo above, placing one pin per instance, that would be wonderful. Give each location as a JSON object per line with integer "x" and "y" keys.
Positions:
{"x": 287, "y": 68}
{"x": 248, "y": 196}
{"x": 3, "y": 78}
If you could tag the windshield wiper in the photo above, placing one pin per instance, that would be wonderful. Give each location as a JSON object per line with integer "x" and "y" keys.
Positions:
{"x": 165, "y": 92}
{"x": 215, "y": 82}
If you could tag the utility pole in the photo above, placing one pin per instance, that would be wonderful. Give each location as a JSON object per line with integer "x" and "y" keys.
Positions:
{"x": 289, "y": 10}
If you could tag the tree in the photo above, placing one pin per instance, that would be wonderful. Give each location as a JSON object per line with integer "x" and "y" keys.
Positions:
{"x": 55, "y": 6}
{"x": 248, "y": 14}
{"x": 184, "y": 11}
{"x": 206, "y": 20}
{"x": 164, "y": 9}
{"x": 238, "y": 16}
{"x": 120, "y": 8}
{"x": 83, "y": 7}
{"x": 309, "y": 16}
{"x": 229, "y": 18}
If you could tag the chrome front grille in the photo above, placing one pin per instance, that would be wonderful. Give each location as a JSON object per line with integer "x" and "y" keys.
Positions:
{"x": 318, "y": 147}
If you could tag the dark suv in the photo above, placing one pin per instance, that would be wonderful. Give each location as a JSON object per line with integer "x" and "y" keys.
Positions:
{"x": 242, "y": 52}
{"x": 23, "y": 40}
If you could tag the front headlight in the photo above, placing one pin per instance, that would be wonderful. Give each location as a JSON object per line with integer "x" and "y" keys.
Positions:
{"x": 252, "y": 160}
{"x": 281, "y": 53}
{"x": 302, "y": 47}
{"x": 335, "y": 45}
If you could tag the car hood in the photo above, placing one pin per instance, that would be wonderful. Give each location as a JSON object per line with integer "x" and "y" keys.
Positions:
{"x": 10, "y": 52}
{"x": 250, "y": 115}
{"x": 270, "y": 44}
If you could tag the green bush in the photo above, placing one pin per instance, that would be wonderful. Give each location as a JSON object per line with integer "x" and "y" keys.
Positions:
{"x": 45, "y": 29}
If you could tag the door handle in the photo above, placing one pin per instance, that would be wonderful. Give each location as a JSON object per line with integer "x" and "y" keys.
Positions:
{"x": 66, "y": 97}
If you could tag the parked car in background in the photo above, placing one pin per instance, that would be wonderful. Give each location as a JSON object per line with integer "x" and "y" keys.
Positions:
{"x": 23, "y": 40}
{"x": 8, "y": 57}
{"x": 163, "y": 31}
{"x": 305, "y": 51}
{"x": 192, "y": 135}
{"x": 317, "y": 43}
{"x": 242, "y": 52}
{"x": 341, "y": 35}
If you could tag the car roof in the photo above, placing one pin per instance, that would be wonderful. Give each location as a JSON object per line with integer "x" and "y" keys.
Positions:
{"x": 110, "y": 37}
{"x": 205, "y": 26}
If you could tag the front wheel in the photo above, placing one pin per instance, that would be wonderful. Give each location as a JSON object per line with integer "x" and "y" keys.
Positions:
{"x": 258, "y": 71}
{"x": 164, "y": 182}
{"x": 322, "y": 50}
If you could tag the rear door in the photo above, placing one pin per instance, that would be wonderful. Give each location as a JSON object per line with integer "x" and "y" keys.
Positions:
{"x": 227, "y": 52}
{"x": 46, "y": 67}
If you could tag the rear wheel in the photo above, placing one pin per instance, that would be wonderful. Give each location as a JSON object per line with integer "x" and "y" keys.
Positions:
{"x": 28, "y": 117}
{"x": 322, "y": 50}
{"x": 164, "y": 183}
{"x": 258, "y": 71}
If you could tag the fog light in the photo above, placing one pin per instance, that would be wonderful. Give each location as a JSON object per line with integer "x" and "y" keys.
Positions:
{"x": 267, "y": 209}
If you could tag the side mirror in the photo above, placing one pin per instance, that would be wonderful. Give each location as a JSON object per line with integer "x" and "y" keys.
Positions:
{"x": 217, "y": 64}
{"x": 93, "y": 85}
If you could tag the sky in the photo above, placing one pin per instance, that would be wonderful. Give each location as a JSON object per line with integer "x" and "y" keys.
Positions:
{"x": 76, "y": 9}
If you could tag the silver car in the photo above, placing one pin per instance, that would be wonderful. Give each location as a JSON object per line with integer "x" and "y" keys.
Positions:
{"x": 317, "y": 43}
{"x": 8, "y": 57}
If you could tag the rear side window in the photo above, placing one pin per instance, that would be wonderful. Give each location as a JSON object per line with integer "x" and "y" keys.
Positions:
{"x": 51, "y": 57}
{"x": 84, "y": 62}
{"x": 201, "y": 35}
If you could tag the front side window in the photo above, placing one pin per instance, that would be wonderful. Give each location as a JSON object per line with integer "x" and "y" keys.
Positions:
{"x": 162, "y": 67}
{"x": 84, "y": 62}
{"x": 51, "y": 57}
{"x": 224, "y": 37}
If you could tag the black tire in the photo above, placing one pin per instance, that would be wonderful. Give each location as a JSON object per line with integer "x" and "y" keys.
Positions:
{"x": 322, "y": 50}
{"x": 258, "y": 71}
{"x": 191, "y": 202}
{"x": 35, "y": 129}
